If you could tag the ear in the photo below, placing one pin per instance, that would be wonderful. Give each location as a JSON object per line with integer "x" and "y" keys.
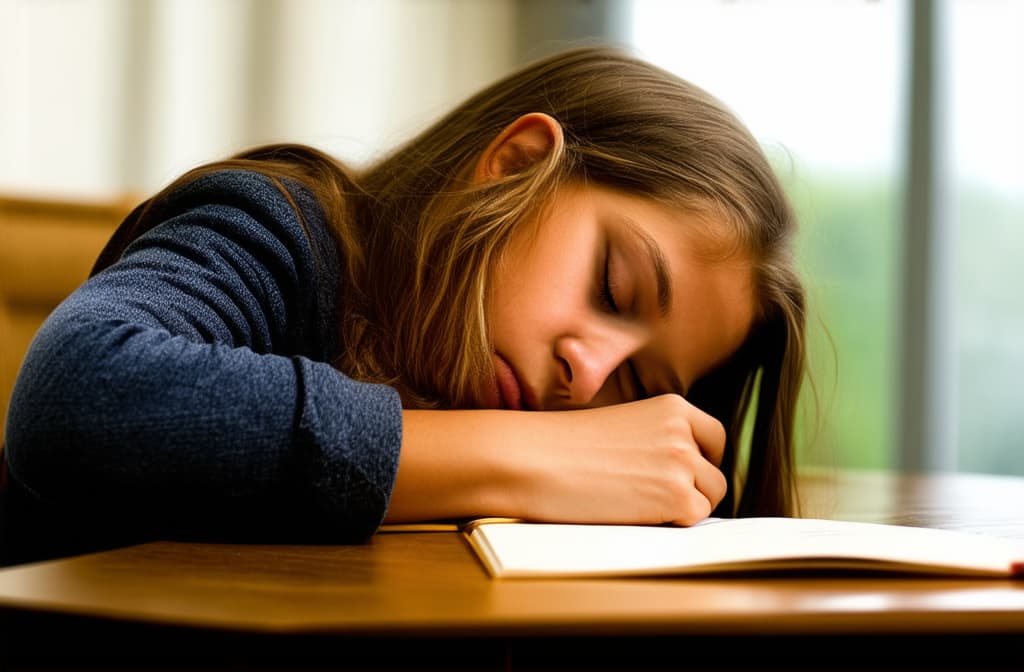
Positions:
{"x": 524, "y": 142}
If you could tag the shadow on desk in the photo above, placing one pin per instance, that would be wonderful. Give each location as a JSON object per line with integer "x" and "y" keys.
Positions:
{"x": 50, "y": 643}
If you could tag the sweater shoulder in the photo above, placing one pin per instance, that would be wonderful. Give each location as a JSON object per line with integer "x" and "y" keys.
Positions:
{"x": 257, "y": 202}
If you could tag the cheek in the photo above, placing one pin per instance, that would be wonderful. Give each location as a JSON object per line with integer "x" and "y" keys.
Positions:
{"x": 541, "y": 285}
{"x": 515, "y": 310}
{"x": 530, "y": 306}
{"x": 507, "y": 300}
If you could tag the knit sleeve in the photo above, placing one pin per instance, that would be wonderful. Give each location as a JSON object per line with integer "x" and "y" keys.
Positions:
{"x": 187, "y": 388}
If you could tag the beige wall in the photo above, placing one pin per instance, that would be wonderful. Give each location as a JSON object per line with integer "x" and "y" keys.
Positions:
{"x": 100, "y": 97}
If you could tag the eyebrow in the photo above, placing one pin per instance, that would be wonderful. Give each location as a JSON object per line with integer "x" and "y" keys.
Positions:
{"x": 660, "y": 264}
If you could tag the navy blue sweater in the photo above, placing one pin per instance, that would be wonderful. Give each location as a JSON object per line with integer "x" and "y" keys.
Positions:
{"x": 185, "y": 392}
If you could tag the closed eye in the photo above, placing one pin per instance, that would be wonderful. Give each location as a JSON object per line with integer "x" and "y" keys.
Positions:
{"x": 607, "y": 294}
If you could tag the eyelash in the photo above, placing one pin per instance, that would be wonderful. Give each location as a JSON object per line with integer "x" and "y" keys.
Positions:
{"x": 608, "y": 301}
{"x": 607, "y": 295}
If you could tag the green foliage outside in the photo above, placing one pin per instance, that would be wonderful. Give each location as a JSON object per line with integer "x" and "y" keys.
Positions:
{"x": 990, "y": 312}
{"x": 847, "y": 251}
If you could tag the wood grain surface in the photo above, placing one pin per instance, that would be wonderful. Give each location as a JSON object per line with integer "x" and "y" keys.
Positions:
{"x": 431, "y": 583}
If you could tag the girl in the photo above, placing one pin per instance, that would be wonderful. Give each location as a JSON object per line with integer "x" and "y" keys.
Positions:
{"x": 558, "y": 303}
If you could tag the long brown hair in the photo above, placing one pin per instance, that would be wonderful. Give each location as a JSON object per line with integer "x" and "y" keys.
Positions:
{"x": 420, "y": 237}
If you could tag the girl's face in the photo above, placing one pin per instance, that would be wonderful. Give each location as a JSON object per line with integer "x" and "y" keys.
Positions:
{"x": 607, "y": 299}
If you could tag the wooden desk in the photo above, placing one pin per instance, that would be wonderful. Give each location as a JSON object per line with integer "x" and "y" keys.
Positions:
{"x": 423, "y": 600}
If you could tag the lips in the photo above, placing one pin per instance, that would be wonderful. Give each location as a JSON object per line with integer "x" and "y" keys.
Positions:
{"x": 510, "y": 392}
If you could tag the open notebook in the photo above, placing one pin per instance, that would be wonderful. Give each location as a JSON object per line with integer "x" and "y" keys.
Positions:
{"x": 512, "y": 549}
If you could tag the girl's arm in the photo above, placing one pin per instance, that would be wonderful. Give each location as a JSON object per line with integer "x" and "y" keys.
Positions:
{"x": 185, "y": 390}
{"x": 649, "y": 461}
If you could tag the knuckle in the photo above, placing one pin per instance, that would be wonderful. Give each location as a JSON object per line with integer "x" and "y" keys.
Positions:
{"x": 675, "y": 403}
{"x": 687, "y": 504}
{"x": 669, "y": 404}
{"x": 682, "y": 452}
{"x": 696, "y": 510}
{"x": 720, "y": 487}
{"x": 719, "y": 430}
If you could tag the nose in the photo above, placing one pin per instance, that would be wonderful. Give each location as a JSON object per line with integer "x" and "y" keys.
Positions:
{"x": 587, "y": 360}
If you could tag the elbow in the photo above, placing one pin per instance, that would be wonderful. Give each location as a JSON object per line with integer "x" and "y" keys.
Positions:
{"x": 56, "y": 401}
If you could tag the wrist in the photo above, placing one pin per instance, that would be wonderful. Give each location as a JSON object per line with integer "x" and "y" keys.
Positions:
{"x": 457, "y": 464}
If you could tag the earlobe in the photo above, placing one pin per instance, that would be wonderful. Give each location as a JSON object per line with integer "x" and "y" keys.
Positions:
{"x": 526, "y": 141}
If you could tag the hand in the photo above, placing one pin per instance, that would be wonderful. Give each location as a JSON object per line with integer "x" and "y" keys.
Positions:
{"x": 644, "y": 462}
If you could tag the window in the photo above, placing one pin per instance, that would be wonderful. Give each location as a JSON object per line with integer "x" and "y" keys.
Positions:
{"x": 987, "y": 87}
{"x": 820, "y": 85}
{"x": 831, "y": 90}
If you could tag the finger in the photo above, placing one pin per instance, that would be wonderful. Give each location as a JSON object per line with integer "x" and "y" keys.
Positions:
{"x": 699, "y": 491}
{"x": 711, "y": 483}
{"x": 709, "y": 434}
{"x": 694, "y": 507}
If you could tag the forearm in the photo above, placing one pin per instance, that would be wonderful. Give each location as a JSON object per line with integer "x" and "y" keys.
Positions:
{"x": 123, "y": 416}
{"x": 632, "y": 463}
{"x": 458, "y": 464}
